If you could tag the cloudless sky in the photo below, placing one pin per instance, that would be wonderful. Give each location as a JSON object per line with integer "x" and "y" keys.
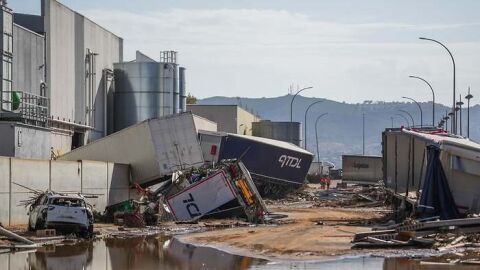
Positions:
{"x": 349, "y": 50}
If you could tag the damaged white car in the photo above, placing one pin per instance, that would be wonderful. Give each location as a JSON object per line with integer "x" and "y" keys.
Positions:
{"x": 66, "y": 213}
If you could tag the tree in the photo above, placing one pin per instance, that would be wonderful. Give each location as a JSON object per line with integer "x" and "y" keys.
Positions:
{"x": 191, "y": 99}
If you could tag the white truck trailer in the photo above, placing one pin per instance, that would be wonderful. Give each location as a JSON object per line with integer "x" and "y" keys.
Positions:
{"x": 154, "y": 148}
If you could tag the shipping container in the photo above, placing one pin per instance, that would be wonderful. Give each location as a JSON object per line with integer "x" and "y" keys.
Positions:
{"x": 154, "y": 148}
{"x": 362, "y": 169}
{"x": 267, "y": 160}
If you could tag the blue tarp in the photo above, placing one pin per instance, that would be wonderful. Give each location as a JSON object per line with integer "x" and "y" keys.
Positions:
{"x": 436, "y": 199}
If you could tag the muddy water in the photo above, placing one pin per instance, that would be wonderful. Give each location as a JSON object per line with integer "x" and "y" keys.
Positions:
{"x": 167, "y": 253}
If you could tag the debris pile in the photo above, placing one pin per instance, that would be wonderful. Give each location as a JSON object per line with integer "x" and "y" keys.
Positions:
{"x": 443, "y": 235}
{"x": 225, "y": 189}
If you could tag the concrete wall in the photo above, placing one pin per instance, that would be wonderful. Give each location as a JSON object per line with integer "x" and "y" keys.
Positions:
{"x": 28, "y": 60}
{"x": 110, "y": 181}
{"x": 23, "y": 141}
{"x": 229, "y": 118}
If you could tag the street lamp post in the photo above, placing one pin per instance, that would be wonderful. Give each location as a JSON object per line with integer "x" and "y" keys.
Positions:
{"x": 411, "y": 117}
{"x": 294, "y": 96}
{"x": 459, "y": 104}
{"x": 419, "y": 107}
{"x": 452, "y": 116}
{"x": 305, "y": 123}
{"x": 446, "y": 121}
{"x": 391, "y": 118}
{"x": 468, "y": 97}
{"x": 316, "y": 135}
{"x": 404, "y": 118}
{"x": 363, "y": 134}
{"x": 453, "y": 61}
{"x": 433, "y": 97}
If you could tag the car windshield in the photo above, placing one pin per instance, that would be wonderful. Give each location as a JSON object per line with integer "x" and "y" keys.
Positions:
{"x": 70, "y": 202}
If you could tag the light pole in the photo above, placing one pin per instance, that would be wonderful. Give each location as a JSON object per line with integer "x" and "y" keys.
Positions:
{"x": 453, "y": 62}
{"x": 316, "y": 134}
{"x": 363, "y": 134}
{"x": 411, "y": 117}
{"x": 294, "y": 96}
{"x": 468, "y": 97}
{"x": 433, "y": 97}
{"x": 391, "y": 118}
{"x": 305, "y": 125}
{"x": 446, "y": 121}
{"x": 404, "y": 118}
{"x": 420, "y": 107}
{"x": 452, "y": 116}
{"x": 459, "y": 104}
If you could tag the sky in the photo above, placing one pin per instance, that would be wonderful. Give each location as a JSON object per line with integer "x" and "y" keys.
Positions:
{"x": 348, "y": 50}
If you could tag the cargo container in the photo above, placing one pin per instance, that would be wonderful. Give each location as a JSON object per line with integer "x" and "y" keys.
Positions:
{"x": 154, "y": 148}
{"x": 267, "y": 160}
{"x": 362, "y": 169}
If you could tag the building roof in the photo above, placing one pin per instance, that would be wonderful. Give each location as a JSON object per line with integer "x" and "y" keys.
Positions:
{"x": 453, "y": 144}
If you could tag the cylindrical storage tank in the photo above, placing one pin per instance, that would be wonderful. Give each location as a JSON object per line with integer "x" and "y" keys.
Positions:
{"x": 282, "y": 131}
{"x": 182, "y": 89}
{"x": 170, "y": 86}
{"x": 168, "y": 77}
{"x": 140, "y": 93}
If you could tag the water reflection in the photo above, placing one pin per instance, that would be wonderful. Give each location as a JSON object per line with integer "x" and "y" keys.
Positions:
{"x": 131, "y": 253}
{"x": 167, "y": 253}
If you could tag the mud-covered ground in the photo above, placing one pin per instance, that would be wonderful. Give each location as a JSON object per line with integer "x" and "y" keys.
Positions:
{"x": 310, "y": 231}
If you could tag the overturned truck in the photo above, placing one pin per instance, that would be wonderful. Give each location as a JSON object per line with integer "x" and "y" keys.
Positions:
{"x": 275, "y": 166}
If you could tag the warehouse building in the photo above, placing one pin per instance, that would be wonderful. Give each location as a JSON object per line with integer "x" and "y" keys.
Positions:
{"x": 283, "y": 131}
{"x": 229, "y": 118}
{"x": 58, "y": 83}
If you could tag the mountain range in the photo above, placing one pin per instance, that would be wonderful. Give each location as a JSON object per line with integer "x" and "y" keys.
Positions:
{"x": 340, "y": 132}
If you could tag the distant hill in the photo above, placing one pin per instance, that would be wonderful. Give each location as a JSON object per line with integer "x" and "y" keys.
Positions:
{"x": 340, "y": 132}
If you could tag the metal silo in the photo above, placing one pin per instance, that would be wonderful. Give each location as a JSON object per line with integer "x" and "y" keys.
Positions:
{"x": 145, "y": 89}
{"x": 182, "y": 89}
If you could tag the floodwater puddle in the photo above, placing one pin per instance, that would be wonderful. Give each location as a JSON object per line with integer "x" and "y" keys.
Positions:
{"x": 165, "y": 252}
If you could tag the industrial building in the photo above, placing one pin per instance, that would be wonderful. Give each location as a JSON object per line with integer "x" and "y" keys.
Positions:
{"x": 283, "y": 131}
{"x": 229, "y": 118}
{"x": 60, "y": 89}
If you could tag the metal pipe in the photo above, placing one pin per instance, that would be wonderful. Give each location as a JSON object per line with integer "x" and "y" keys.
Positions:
{"x": 316, "y": 134}
{"x": 453, "y": 62}
{"x": 411, "y": 117}
{"x": 305, "y": 123}
{"x": 433, "y": 97}
{"x": 420, "y": 107}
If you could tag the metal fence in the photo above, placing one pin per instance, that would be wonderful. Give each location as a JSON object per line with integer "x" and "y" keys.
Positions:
{"x": 28, "y": 107}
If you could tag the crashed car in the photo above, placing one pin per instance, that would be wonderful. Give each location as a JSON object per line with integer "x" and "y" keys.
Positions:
{"x": 67, "y": 213}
